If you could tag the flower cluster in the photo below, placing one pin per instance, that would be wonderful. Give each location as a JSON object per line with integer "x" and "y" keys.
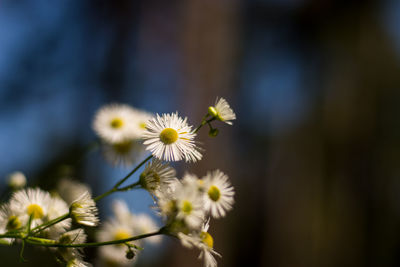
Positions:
{"x": 34, "y": 212}
{"x": 188, "y": 204}
{"x": 120, "y": 127}
{"x": 185, "y": 206}
{"x": 124, "y": 225}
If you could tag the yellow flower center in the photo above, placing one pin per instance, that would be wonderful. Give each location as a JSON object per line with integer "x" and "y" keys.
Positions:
{"x": 13, "y": 223}
{"x": 116, "y": 123}
{"x": 142, "y": 125}
{"x": 121, "y": 234}
{"x": 187, "y": 207}
{"x": 151, "y": 180}
{"x": 214, "y": 193}
{"x": 168, "y": 136}
{"x": 35, "y": 211}
{"x": 207, "y": 239}
{"x": 123, "y": 148}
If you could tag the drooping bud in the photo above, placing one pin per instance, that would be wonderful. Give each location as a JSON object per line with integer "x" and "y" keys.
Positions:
{"x": 213, "y": 132}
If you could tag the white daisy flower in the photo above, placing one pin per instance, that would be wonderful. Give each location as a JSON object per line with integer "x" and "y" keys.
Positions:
{"x": 218, "y": 193}
{"x": 145, "y": 224}
{"x": 166, "y": 204}
{"x": 191, "y": 180}
{"x": 139, "y": 123}
{"x": 84, "y": 210}
{"x": 120, "y": 227}
{"x": 114, "y": 256}
{"x": 124, "y": 154}
{"x": 170, "y": 138}
{"x": 203, "y": 241}
{"x": 16, "y": 180}
{"x": 57, "y": 207}
{"x": 8, "y": 221}
{"x": 121, "y": 211}
{"x": 222, "y": 111}
{"x": 189, "y": 204}
{"x": 76, "y": 236}
{"x": 73, "y": 256}
{"x": 31, "y": 202}
{"x": 157, "y": 177}
{"x": 70, "y": 189}
{"x": 113, "y": 123}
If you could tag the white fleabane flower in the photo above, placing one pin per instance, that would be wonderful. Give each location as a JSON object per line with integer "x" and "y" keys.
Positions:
{"x": 31, "y": 202}
{"x": 144, "y": 224}
{"x": 120, "y": 227}
{"x": 70, "y": 189}
{"x": 218, "y": 193}
{"x": 72, "y": 256}
{"x": 84, "y": 210}
{"x": 57, "y": 207}
{"x": 189, "y": 205}
{"x": 114, "y": 256}
{"x": 16, "y": 180}
{"x": 113, "y": 123}
{"x": 222, "y": 111}
{"x": 122, "y": 154}
{"x": 203, "y": 241}
{"x": 157, "y": 177}
{"x": 139, "y": 123}
{"x": 170, "y": 138}
{"x": 8, "y": 221}
{"x": 121, "y": 212}
{"x": 191, "y": 180}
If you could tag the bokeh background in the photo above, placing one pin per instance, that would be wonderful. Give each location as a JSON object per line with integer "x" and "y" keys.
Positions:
{"x": 314, "y": 154}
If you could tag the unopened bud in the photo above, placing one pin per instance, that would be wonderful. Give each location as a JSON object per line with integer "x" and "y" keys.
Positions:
{"x": 213, "y": 132}
{"x": 130, "y": 254}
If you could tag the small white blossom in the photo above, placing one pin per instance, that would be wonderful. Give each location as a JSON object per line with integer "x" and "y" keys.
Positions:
{"x": 72, "y": 256}
{"x": 170, "y": 138}
{"x": 222, "y": 111}
{"x": 204, "y": 242}
{"x": 157, "y": 177}
{"x": 218, "y": 193}
{"x": 113, "y": 123}
{"x": 8, "y": 221}
{"x": 57, "y": 207}
{"x": 16, "y": 180}
{"x": 117, "y": 228}
{"x": 84, "y": 210}
{"x": 31, "y": 202}
{"x": 189, "y": 204}
{"x": 123, "y": 154}
{"x": 70, "y": 189}
{"x": 144, "y": 224}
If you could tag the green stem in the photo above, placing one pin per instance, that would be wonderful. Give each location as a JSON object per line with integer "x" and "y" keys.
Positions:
{"x": 204, "y": 122}
{"x": 115, "y": 188}
{"x": 105, "y": 194}
{"x": 11, "y": 235}
{"x": 50, "y": 243}
{"x": 48, "y": 224}
{"x": 129, "y": 187}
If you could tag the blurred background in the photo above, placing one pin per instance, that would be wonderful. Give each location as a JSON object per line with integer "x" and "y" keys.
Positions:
{"x": 314, "y": 154}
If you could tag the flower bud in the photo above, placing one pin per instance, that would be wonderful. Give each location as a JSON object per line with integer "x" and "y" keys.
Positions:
{"x": 16, "y": 180}
{"x": 213, "y": 132}
{"x": 130, "y": 254}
